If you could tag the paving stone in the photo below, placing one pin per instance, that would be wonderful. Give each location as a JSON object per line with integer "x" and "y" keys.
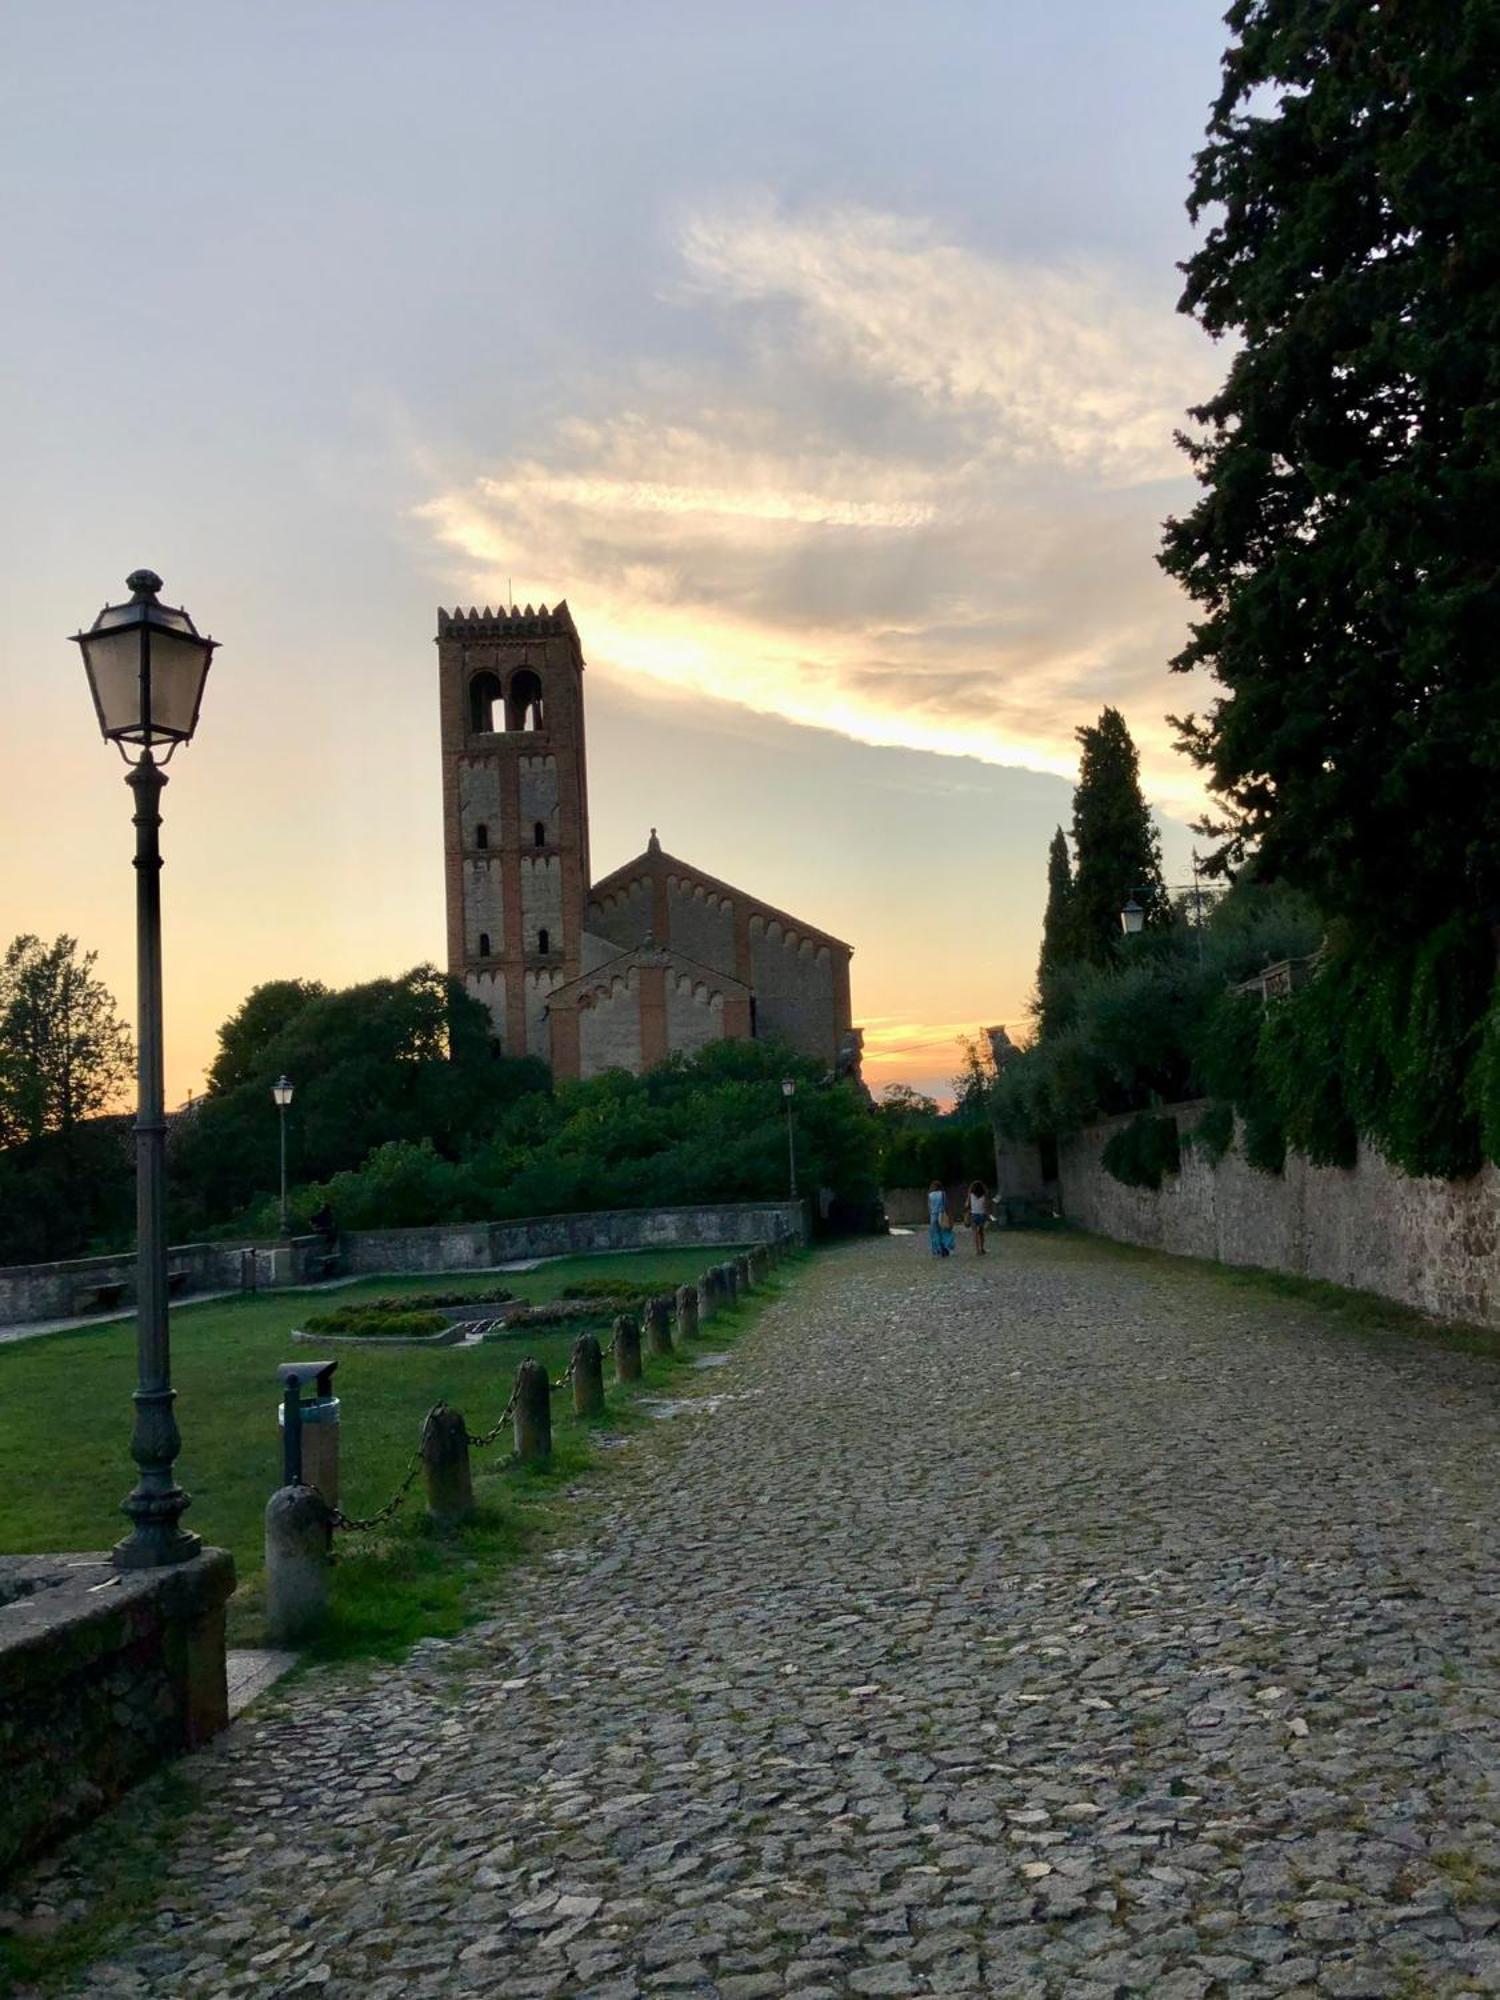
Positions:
{"x": 961, "y": 1647}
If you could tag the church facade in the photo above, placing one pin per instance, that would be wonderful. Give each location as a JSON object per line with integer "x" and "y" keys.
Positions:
{"x": 619, "y": 973}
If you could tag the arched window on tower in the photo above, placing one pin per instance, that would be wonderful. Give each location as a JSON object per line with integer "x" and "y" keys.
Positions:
{"x": 484, "y": 698}
{"x": 484, "y": 944}
{"x": 523, "y": 706}
{"x": 481, "y": 835}
{"x": 539, "y": 834}
{"x": 543, "y": 941}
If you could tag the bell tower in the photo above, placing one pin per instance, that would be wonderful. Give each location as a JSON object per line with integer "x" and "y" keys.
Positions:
{"x": 515, "y": 811}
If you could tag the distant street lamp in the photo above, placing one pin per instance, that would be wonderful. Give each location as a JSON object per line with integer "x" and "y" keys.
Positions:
{"x": 146, "y": 665}
{"x": 281, "y": 1090}
{"x": 789, "y": 1091}
{"x": 1133, "y": 916}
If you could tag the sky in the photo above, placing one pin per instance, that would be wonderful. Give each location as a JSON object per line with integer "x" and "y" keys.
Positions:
{"x": 824, "y": 358}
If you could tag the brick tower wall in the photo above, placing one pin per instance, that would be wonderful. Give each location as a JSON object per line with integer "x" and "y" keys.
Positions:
{"x": 515, "y": 810}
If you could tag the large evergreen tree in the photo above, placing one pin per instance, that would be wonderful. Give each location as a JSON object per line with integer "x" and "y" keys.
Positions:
{"x": 1055, "y": 923}
{"x": 1117, "y": 850}
{"x": 1344, "y": 552}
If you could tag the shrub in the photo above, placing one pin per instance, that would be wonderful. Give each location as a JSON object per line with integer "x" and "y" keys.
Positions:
{"x": 1143, "y": 1152}
{"x": 1213, "y": 1135}
{"x": 376, "y": 1322}
{"x": 613, "y": 1291}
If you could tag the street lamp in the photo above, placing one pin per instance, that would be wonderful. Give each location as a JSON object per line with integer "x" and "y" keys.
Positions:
{"x": 1132, "y": 919}
{"x": 146, "y": 665}
{"x": 281, "y": 1090}
{"x": 789, "y": 1091}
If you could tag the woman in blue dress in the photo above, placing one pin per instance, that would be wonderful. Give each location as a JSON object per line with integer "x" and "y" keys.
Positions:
{"x": 939, "y": 1225}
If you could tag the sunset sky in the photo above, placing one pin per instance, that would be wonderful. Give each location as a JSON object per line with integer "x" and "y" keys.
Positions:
{"x": 824, "y": 357}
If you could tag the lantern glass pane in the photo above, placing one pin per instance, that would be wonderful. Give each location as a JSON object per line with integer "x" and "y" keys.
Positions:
{"x": 113, "y": 660}
{"x": 178, "y": 667}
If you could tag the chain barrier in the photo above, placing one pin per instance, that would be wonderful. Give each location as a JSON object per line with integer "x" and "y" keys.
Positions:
{"x": 488, "y": 1437}
{"x": 364, "y": 1522}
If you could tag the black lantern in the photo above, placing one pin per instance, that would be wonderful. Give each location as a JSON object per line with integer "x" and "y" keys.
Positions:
{"x": 146, "y": 664}
{"x": 1132, "y": 919}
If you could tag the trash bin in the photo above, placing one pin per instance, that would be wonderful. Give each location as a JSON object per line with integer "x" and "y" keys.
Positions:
{"x": 311, "y": 1453}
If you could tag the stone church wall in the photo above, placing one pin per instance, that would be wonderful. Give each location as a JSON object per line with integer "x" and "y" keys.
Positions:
{"x": 1430, "y": 1244}
{"x": 609, "y": 1030}
{"x": 695, "y": 1016}
{"x": 702, "y": 924}
{"x": 623, "y": 915}
{"x": 793, "y": 981}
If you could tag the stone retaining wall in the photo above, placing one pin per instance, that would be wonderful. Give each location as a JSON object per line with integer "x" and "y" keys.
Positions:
{"x": 31, "y": 1292}
{"x": 1426, "y": 1243}
{"x": 103, "y": 1673}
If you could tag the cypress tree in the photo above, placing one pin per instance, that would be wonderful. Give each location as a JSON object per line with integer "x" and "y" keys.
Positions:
{"x": 1056, "y": 925}
{"x": 1117, "y": 849}
{"x": 1343, "y": 552}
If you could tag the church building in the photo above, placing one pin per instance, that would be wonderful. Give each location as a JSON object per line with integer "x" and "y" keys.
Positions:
{"x": 592, "y": 975}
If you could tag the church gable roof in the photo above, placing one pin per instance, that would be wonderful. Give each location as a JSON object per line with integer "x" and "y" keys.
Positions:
{"x": 656, "y": 862}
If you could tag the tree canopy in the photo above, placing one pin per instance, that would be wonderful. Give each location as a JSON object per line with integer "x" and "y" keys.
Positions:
{"x": 1117, "y": 851}
{"x": 1343, "y": 554}
{"x": 65, "y": 1054}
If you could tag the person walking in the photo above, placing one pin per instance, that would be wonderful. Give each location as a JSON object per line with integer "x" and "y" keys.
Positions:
{"x": 979, "y": 1214}
{"x": 939, "y": 1222}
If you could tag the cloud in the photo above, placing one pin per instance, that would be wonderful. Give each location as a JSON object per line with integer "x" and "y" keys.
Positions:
{"x": 913, "y": 495}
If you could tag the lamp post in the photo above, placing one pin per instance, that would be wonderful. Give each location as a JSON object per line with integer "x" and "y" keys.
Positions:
{"x": 281, "y": 1090}
{"x": 1133, "y": 915}
{"x": 146, "y": 665}
{"x": 789, "y": 1091}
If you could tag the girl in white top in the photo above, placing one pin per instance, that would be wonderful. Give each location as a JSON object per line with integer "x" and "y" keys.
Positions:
{"x": 979, "y": 1214}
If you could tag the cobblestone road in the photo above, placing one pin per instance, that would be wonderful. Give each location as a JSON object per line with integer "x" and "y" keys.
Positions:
{"x": 1067, "y": 1624}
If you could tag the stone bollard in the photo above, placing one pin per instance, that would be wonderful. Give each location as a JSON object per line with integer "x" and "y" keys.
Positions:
{"x": 742, "y": 1273}
{"x": 729, "y": 1284}
{"x": 705, "y": 1297}
{"x": 587, "y": 1370}
{"x": 760, "y": 1265}
{"x": 533, "y": 1417}
{"x": 627, "y": 1344}
{"x": 299, "y": 1534}
{"x": 659, "y": 1326}
{"x": 445, "y": 1467}
{"x": 687, "y": 1313}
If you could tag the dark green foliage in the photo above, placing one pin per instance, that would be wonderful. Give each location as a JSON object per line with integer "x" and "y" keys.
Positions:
{"x": 66, "y": 1168}
{"x": 1431, "y": 1126}
{"x": 1300, "y": 1058}
{"x": 918, "y": 1144}
{"x": 1342, "y": 555}
{"x": 432, "y": 1302}
{"x": 65, "y": 1054}
{"x": 612, "y": 1291}
{"x": 711, "y": 1127}
{"x": 1116, "y": 848}
{"x": 408, "y": 1062}
{"x": 1144, "y": 1152}
{"x": 1056, "y": 930}
{"x": 1213, "y": 1135}
{"x": 377, "y": 1321}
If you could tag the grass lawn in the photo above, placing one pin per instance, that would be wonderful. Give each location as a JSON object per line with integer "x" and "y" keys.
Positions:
{"x": 65, "y": 1429}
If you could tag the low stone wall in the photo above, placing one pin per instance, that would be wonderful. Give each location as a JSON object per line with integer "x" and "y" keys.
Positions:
{"x": 1426, "y": 1243}
{"x": 32, "y": 1292}
{"x": 475, "y": 1246}
{"x": 103, "y": 1674}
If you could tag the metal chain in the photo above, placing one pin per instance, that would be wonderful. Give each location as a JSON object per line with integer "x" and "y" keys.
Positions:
{"x": 339, "y": 1519}
{"x": 478, "y": 1443}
